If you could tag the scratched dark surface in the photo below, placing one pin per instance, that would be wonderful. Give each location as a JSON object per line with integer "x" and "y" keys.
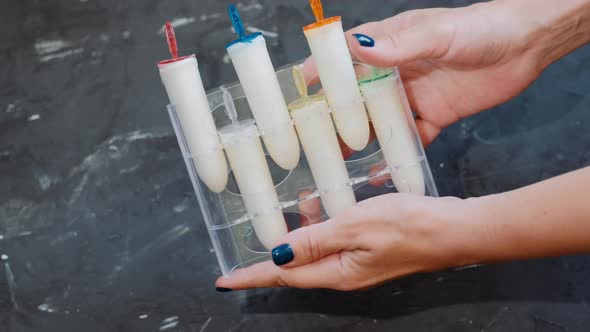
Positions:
{"x": 101, "y": 228}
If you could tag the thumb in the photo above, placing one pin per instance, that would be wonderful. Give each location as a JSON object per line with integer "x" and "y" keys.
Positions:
{"x": 388, "y": 49}
{"x": 312, "y": 243}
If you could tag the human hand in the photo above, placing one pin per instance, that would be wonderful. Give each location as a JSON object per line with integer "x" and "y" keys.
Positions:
{"x": 454, "y": 62}
{"x": 375, "y": 241}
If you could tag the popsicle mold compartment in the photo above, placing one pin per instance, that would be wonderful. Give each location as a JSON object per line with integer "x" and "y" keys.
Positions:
{"x": 185, "y": 90}
{"x": 251, "y": 60}
{"x": 244, "y": 221}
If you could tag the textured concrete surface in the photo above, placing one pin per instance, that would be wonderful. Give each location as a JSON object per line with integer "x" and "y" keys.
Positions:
{"x": 100, "y": 226}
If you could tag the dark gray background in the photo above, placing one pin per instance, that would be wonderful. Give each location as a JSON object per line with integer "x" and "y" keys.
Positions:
{"x": 98, "y": 217}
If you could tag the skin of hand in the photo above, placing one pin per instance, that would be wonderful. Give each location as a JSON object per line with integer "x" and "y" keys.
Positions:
{"x": 360, "y": 252}
{"x": 393, "y": 235}
{"x": 458, "y": 62}
{"x": 454, "y": 63}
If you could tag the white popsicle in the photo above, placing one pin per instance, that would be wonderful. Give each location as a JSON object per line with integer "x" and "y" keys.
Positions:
{"x": 256, "y": 73}
{"x": 184, "y": 86}
{"x": 320, "y": 144}
{"x": 391, "y": 122}
{"x": 332, "y": 57}
{"x": 248, "y": 162}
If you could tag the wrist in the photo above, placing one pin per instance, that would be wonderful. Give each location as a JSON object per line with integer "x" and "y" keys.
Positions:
{"x": 552, "y": 30}
{"x": 460, "y": 232}
{"x": 496, "y": 228}
{"x": 471, "y": 234}
{"x": 453, "y": 235}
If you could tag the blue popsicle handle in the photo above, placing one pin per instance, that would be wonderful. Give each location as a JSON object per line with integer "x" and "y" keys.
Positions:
{"x": 236, "y": 20}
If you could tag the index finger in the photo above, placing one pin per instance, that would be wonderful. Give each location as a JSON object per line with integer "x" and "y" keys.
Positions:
{"x": 325, "y": 273}
{"x": 310, "y": 70}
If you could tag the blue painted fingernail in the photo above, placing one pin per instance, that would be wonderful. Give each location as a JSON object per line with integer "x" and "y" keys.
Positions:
{"x": 222, "y": 289}
{"x": 282, "y": 254}
{"x": 364, "y": 40}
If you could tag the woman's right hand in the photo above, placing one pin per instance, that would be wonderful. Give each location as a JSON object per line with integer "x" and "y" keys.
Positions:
{"x": 454, "y": 62}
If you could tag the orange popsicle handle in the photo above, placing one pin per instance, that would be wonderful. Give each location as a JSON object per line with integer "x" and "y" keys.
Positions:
{"x": 318, "y": 12}
{"x": 318, "y": 9}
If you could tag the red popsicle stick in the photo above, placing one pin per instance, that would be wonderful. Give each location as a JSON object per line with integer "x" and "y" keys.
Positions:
{"x": 171, "y": 38}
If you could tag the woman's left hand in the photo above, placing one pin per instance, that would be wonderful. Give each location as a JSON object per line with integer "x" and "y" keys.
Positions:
{"x": 377, "y": 240}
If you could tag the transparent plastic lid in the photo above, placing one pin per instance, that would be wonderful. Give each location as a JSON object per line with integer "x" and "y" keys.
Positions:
{"x": 234, "y": 133}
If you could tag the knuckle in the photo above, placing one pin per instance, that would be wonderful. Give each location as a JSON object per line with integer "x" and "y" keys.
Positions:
{"x": 311, "y": 247}
{"x": 281, "y": 281}
{"x": 394, "y": 39}
{"x": 445, "y": 34}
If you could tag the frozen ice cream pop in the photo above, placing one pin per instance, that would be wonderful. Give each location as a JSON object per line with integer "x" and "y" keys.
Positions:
{"x": 320, "y": 144}
{"x": 258, "y": 79}
{"x": 330, "y": 52}
{"x": 391, "y": 120}
{"x": 185, "y": 90}
{"x": 248, "y": 162}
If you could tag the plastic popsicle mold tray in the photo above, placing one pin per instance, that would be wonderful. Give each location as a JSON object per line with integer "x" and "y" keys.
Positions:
{"x": 229, "y": 224}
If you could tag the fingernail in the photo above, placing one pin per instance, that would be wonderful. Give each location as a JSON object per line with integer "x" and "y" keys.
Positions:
{"x": 364, "y": 40}
{"x": 282, "y": 254}
{"x": 222, "y": 289}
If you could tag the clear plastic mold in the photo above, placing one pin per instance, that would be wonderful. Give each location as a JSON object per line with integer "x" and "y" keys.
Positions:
{"x": 239, "y": 223}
